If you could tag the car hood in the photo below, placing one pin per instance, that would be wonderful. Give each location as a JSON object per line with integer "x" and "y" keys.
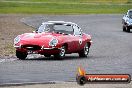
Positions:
{"x": 38, "y": 38}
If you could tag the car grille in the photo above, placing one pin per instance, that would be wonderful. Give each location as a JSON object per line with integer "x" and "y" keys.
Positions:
{"x": 31, "y": 47}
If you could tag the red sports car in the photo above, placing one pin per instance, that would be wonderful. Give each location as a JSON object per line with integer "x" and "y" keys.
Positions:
{"x": 53, "y": 38}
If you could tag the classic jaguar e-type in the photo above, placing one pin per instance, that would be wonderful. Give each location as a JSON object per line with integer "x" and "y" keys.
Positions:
{"x": 55, "y": 38}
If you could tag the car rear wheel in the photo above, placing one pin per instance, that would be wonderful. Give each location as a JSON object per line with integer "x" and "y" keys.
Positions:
{"x": 61, "y": 54}
{"x": 47, "y": 55}
{"x": 21, "y": 55}
{"x": 85, "y": 51}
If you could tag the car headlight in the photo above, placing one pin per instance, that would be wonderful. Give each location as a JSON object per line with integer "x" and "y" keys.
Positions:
{"x": 53, "y": 42}
{"x": 128, "y": 22}
{"x": 17, "y": 40}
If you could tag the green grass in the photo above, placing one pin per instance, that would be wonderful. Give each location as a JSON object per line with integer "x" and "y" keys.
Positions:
{"x": 65, "y": 6}
{"x": 77, "y": 1}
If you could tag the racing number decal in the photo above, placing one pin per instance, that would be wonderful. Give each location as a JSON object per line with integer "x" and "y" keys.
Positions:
{"x": 80, "y": 41}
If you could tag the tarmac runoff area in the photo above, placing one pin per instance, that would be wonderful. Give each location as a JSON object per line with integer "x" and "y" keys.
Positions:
{"x": 110, "y": 53}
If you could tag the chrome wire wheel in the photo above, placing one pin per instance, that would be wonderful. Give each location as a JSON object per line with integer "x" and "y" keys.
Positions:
{"x": 62, "y": 51}
{"x": 85, "y": 51}
{"x": 61, "y": 54}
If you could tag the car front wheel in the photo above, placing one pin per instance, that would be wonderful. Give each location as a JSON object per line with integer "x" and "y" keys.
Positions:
{"x": 21, "y": 55}
{"x": 127, "y": 29}
{"x": 85, "y": 51}
{"x": 124, "y": 28}
{"x": 61, "y": 54}
{"x": 47, "y": 55}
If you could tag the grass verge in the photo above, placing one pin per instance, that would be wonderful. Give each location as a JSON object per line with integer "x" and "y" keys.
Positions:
{"x": 10, "y": 27}
{"x": 64, "y": 7}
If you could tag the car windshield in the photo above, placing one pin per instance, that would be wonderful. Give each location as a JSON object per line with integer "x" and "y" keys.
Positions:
{"x": 58, "y": 28}
{"x": 130, "y": 14}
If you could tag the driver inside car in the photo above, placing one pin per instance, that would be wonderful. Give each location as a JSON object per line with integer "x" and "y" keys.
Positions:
{"x": 49, "y": 28}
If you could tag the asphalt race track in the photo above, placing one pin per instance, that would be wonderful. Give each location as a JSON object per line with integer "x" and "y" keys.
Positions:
{"x": 111, "y": 52}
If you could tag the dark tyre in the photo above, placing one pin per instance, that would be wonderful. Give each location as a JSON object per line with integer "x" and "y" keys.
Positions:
{"x": 127, "y": 29}
{"x": 85, "y": 51}
{"x": 47, "y": 55}
{"x": 124, "y": 28}
{"x": 61, "y": 54}
{"x": 21, "y": 55}
{"x": 81, "y": 80}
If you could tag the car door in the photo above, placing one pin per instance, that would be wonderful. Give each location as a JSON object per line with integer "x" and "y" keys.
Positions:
{"x": 70, "y": 39}
{"x": 77, "y": 37}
